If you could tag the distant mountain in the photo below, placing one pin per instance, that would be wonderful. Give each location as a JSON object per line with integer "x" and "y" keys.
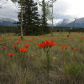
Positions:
{"x": 69, "y": 23}
{"x": 64, "y": 22}
{"x": 7, "y": 22}
{"x": 49, "y": 24}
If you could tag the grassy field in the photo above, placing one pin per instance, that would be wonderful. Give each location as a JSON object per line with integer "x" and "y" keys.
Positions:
{"x": 66, "y": 65}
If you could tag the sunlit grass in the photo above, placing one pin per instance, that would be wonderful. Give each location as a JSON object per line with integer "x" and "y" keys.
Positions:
{"x": 13, "y": 70}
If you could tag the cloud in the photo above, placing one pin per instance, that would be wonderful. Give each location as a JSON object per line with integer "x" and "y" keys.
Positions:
{"x": 69, "y": 8}
{"x": 8, "y": 9}
{"x": 54, "y": 21}
{"x": 62, "y": 9}
{"x": 76, "y": 8}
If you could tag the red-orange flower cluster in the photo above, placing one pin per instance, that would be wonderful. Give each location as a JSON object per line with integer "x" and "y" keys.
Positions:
{"x": 4, "y": 47}
{"x": 62, "y": 47}
{"x": 26, "y": 45}
{"x": 81, "y": 43}
{"x": 34, "y": 42}
{"x": 17, "y": 43}
{"x": 48, "y": 43}
{"x": 10, "y": 54}
{"x": 14, "y": 46}
{"x": 23, "y": 49}
{"x": 74, "y": 48}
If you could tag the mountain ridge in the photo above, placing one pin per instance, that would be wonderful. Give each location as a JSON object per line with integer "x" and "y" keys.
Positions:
{"x": 7, "y": 22}
{"x": 79, "y": 22}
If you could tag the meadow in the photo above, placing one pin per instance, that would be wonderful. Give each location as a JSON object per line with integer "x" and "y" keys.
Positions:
{"x": 28, "y": 65}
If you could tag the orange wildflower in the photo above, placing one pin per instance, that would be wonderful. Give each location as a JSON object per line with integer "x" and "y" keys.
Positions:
{"x": 4, "y": 47}
{"x": 10, "y": 54}
{"x": 62, "y": 47}
{"x": 26, "y": 45}
{"x": 30, "y": 40}
{"x": 23, "y": 49}
{"x": 81, "y": 43}
{"x": 74, "y": 48}
{"x": 48, "y": 43}
{"x": 66, "y": 47}
{"x": 14, "y": 46}
{"x": 34, "y": 42}
{"x": 17, "y": 43}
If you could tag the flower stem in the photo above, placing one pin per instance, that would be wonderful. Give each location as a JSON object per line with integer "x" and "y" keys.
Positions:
{"x": 48, "y": 66}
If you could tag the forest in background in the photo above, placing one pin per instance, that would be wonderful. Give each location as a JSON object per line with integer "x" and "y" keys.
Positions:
{"x": 14, "y": 29}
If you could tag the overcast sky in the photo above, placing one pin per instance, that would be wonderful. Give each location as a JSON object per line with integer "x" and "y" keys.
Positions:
{"x": 62, "y": 9}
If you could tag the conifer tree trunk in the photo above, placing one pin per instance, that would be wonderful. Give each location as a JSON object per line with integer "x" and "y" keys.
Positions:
{"x": 21, "y": 20}
{"x": 52, "y": 20}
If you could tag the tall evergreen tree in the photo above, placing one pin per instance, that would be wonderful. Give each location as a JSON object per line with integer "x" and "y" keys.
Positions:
{"x": 31, "y": 21}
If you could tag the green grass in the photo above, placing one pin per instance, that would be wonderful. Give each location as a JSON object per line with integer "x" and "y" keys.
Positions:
{"x": 65, "y": 68}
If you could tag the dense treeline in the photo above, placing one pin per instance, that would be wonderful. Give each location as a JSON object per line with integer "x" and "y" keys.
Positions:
{"x": 8, "y": 29}
{"x": 14, "y": 29}
{"x": 67, "y": 29}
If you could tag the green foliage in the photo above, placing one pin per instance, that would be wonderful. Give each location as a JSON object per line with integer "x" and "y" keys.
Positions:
{"x": 73, "y": 70}
{"x": 57, "y": 30}
{"x": 45, "y": 13}
{"x": 47, "y": 5}
{"x": 8, "y": 29}
{"x": 32, "y": 24}
{"x": 44, "y": 20}
{"x": 14, "y": 1}
{"x": 45, "y": 8}
{"x": 2, "y": 30}
{"x": 67, "y": 29}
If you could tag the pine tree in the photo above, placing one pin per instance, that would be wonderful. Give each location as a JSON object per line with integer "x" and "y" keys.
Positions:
{"x": 31, "y": 21}
{"x": 32, "y": 25}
